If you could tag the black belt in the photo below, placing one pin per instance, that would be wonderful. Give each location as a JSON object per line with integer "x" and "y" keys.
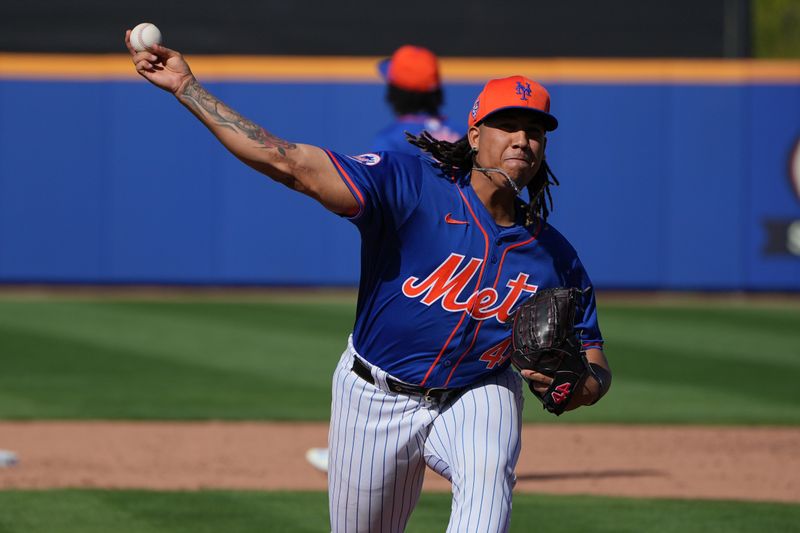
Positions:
{"x": 434, "y": 394}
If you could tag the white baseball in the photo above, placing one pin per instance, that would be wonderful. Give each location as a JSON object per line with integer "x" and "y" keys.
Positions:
{"x": 144, "y": 35}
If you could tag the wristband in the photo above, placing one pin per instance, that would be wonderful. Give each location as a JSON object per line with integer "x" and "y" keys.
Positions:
{"x": 600, "y": 382}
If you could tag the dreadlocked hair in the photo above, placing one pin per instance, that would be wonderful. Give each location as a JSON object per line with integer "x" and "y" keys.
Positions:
{"x": 452, "y": 158}
{"x": 458, "y": 157}
{"x": 541, "y": 199}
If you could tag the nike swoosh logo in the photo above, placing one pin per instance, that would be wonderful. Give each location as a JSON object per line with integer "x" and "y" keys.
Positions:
{"x": 450, "y": 220}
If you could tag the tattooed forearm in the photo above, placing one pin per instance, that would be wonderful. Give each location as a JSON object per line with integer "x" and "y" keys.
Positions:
{"x": 195, "y": 96}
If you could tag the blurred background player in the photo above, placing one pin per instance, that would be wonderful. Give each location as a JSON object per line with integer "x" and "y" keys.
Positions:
{"x": 414, "y": 92}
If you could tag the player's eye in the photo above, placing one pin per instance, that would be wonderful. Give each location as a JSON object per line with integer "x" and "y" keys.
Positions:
{"x": 512, "y": 126}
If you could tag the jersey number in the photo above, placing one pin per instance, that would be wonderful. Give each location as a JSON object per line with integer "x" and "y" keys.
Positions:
{"x": 496, "y": 354}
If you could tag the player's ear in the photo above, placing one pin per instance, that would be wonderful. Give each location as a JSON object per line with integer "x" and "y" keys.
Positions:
{"x": 473, "y": 136}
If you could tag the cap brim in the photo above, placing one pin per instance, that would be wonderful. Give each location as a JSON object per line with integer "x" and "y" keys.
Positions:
{"x": 383, "y": 68}
{"x": 550, "y": 122}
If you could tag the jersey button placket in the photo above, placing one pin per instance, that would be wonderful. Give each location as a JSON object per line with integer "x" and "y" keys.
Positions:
{"x": 498, "y": 242}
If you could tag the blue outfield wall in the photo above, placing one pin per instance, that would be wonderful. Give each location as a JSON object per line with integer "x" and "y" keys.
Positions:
{"x": 665, "y": 186}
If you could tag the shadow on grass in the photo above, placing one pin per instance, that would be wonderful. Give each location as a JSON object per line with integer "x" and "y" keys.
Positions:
{"x": 597, "y": 474}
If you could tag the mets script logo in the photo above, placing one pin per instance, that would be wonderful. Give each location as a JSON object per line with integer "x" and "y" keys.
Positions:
{"x": 450, "y": 279}
{"x": 366, "y": 159}
{"x": 523, "y": 90}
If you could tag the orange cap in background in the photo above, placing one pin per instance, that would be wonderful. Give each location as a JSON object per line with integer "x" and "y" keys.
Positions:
{"x": 412, "y": 68}
{"x": 515, "y": 92}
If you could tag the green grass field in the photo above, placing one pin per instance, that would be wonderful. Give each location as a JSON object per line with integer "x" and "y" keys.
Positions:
{"x": 686, "y": 363}
{"x": 93, "y": 511}
{"x": 195, "y": 359}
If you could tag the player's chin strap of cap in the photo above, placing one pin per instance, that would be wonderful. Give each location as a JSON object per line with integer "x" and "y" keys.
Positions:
{"x": 511, "y": 182}
{"x": 486, "y": 171}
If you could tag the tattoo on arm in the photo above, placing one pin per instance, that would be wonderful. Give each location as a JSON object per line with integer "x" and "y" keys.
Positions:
{"x": 204, "y": 103}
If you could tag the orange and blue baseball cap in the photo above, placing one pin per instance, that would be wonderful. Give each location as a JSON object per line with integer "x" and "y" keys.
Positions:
{"x": 412, "y": 68}
{"x": 515, "y": 92}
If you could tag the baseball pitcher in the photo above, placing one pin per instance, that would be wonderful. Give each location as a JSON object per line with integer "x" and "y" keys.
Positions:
{"x": 456, "y": 279}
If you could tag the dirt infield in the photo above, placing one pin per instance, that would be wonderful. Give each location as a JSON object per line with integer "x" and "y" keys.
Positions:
{"x": 636, "y": 461}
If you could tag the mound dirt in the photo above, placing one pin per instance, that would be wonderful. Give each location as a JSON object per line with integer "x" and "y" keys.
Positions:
{"x": 633, "y": 461}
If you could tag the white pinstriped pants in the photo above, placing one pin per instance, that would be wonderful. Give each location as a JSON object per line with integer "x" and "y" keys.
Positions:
{"x": 380, "y": 443}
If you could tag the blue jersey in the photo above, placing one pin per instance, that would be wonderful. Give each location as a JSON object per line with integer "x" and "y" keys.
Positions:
{"x": 439, "y": 277}
{"x": 392, "y": 137}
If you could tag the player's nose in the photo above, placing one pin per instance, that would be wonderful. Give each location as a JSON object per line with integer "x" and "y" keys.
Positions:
{"x": 519, "y": 138}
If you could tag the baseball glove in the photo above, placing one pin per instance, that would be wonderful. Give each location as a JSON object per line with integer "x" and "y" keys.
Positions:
{"x": 544, "y": 340}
